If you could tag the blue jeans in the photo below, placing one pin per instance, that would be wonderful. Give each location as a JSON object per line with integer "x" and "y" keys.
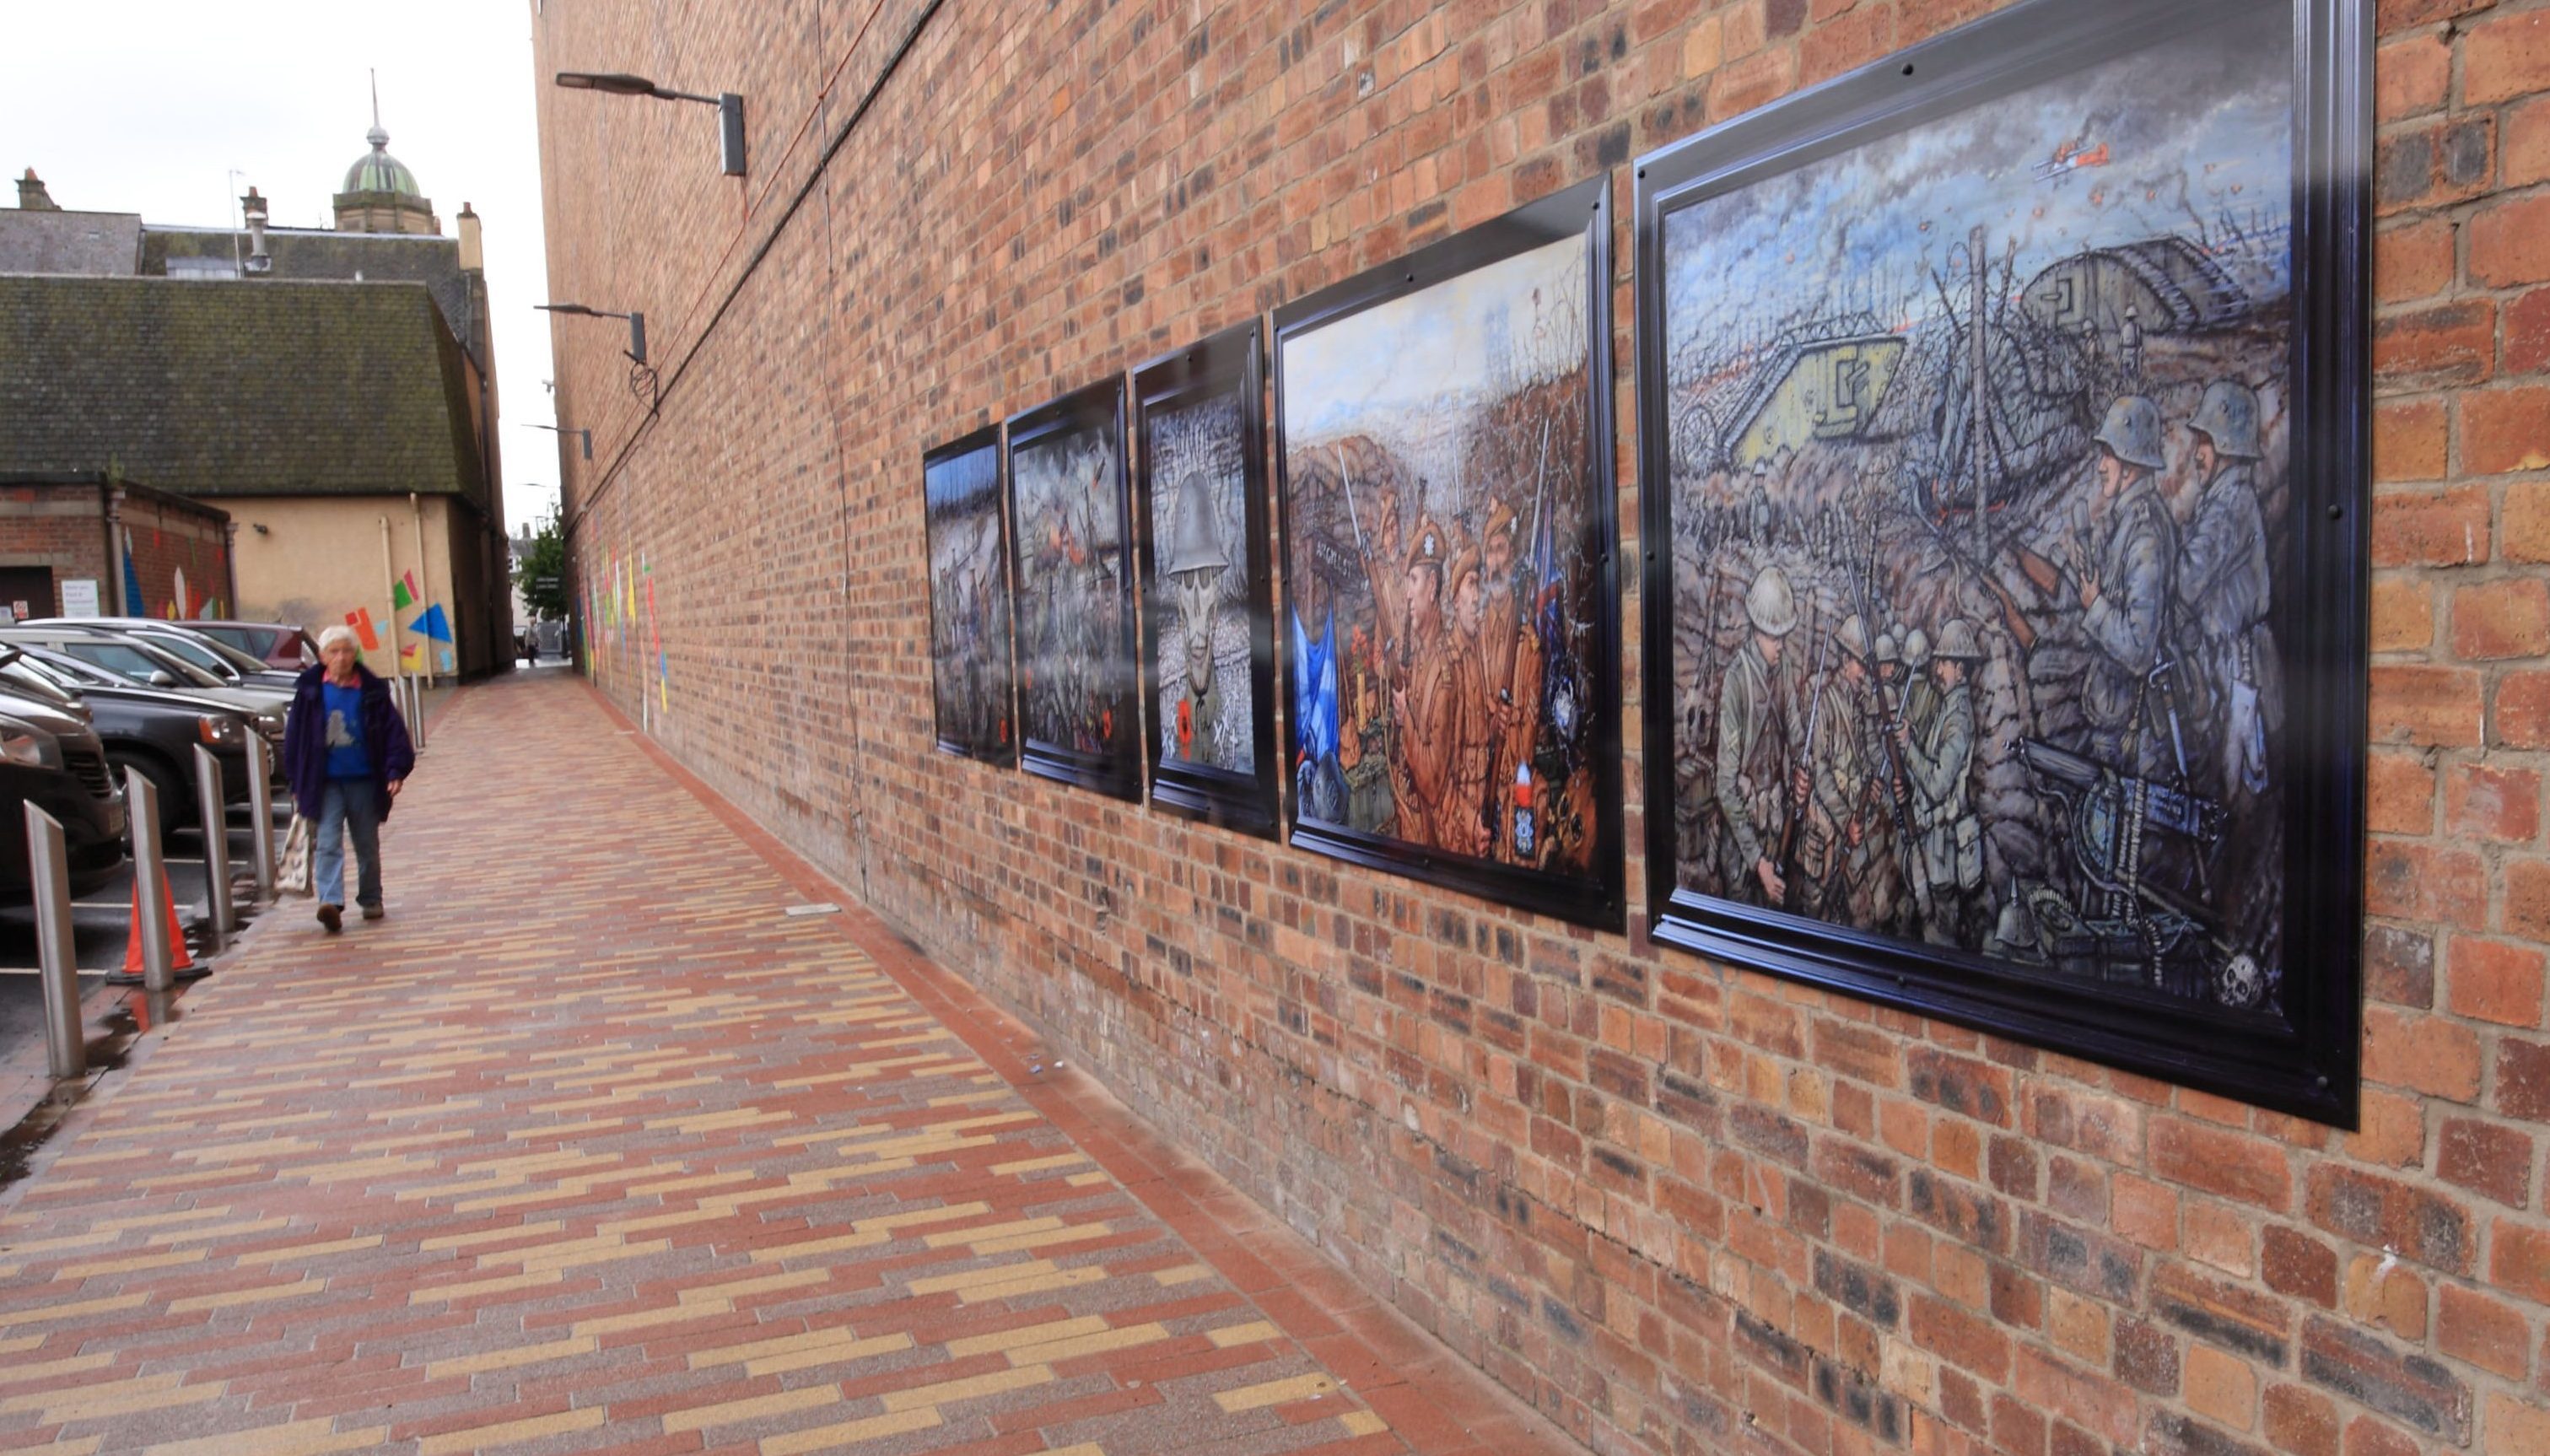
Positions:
{"x": 349, "y": 803}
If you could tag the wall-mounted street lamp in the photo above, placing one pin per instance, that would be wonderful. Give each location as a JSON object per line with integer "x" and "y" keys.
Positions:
{"x": 637, "y": 324}
{"x": 730, "y": 106}
{"x": 584, "y": 435}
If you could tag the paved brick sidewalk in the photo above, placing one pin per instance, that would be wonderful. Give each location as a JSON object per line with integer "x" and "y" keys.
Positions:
{"x": 590, "y": 1146}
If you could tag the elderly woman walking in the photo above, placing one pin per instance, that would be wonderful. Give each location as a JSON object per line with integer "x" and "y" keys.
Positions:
{"x": 345, "y": 753}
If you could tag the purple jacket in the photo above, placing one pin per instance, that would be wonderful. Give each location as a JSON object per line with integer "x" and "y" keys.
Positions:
{"x": 304, "y": 739}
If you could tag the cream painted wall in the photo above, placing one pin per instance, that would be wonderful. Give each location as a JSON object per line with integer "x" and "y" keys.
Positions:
{"x": 319, "y": 557}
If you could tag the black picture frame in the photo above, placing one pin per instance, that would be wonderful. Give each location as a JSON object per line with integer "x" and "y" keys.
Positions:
{"x": 1228, "y": 365}
{"x": 1596, "y": 896}
{"x": 2299, "y": 1054}
{"x": 1115, "y": 766}
{"x": 992, "y": 632}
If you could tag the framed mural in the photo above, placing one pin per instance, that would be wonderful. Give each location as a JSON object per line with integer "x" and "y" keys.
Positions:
{"x": 1079, "y": 717}
{"x": 1450, "y": 585}
{"x": 1208, "y": 608}
{"x": 2002, "y": 443}
{"x": 969, "y": 598}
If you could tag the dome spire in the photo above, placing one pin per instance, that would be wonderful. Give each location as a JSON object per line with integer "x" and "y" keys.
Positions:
{"x": 380, "y": 194}
{"x": 379, "y": 139}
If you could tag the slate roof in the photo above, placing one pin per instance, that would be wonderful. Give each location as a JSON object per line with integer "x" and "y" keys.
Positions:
{"x": 307, "y": 254}
{"x": 40, "y": 242}
{"x": 224, "y": 389}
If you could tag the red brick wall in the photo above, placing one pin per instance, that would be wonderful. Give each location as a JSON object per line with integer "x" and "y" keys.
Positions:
{"x": 169, "y": 537}
{"x": 1678, "y": 1206}
{"x": 54, "y": 526}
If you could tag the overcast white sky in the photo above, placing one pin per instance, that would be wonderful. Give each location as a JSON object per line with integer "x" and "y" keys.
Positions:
{"x": 147, "y": 105}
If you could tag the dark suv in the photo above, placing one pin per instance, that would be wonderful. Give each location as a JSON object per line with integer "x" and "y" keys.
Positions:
{"x": 53, "y": 761}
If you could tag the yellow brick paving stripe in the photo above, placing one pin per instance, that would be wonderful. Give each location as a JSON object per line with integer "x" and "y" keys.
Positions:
{"x": 586, "y": 1149}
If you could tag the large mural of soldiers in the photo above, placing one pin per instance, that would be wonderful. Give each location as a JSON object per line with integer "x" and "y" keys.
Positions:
{"x": 1076, "y": 661}
{"x": 969, "y": 600}
{"x": 1978, "y": 445}
{"x": 1443, "y": 568}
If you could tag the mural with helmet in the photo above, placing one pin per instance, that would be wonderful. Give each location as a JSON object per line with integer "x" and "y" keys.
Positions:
{"x": 1979, "y": 493}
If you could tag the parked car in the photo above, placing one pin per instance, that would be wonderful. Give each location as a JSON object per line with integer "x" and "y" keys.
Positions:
{"x": 150, "y": 730}
{"x": 277, "y": 643}
{"x": 53, "y": 761}
{"x": 182, "y": 640}
{"x": 146, "y": 665}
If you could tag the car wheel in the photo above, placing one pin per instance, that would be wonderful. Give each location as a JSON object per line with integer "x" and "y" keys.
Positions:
{"x": 176, "y": 804}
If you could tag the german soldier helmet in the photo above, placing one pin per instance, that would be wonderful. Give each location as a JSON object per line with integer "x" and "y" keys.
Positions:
{"x": 2228, "y": 416}
{"x": 2132, "y": 432}
{"x": 1889, "y": 650}
{"x": 1198, "y": 542}
{"x": 1917, "y": 648}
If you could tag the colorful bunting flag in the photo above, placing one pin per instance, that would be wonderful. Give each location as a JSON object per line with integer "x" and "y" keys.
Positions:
{"x": 433, "y": 624}
{"x": 412, "y": 657}
{"x": 361, "y": 620}
{"x": 402, "y": 596}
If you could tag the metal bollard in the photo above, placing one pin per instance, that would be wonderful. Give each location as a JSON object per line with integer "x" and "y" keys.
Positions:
{"x": 216, "y": 845}
{"x": 260, "y": 809}
{"x": 150, "y": 882}
{"x": 66, "y": 1050}
{"x": 416, "y": 713}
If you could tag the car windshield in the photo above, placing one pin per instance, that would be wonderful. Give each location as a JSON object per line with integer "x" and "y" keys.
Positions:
{"x": 33, "y": 678}
{"x": 201, "y": 654}
{"x": 138, "y": 662}
{"x": 243, "y": 660}
{"x": 250, "y": 641}
{"x": 73, "y": 672}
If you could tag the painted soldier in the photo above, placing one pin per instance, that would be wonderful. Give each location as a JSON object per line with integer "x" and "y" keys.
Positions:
{"x": 1752, "y": 776}
{"x": 2123, "y": 582}
{"x": 1460, "y": 821}
{"x": 1916, "y": 702}
{"x": 1939, "y": 760}
{"x": 2223, "y": 586}
{"x": 1832, "y": 784}
{"x": 1195, "y": 571}
{"x": 1500, "y": 616}
{"x": 1421, "y": 698}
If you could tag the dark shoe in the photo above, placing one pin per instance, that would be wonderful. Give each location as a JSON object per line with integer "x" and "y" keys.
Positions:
{"x": 373, "y": 912}
{"x": 332, "y": 917}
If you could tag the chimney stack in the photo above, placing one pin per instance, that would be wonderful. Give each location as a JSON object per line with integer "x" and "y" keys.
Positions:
{"x": 473, "y": 257}
{"x": 32, "y": 196}
{"x": 252, "y": 208}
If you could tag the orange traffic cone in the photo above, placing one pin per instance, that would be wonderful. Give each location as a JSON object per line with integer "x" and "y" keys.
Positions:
{"x": 178, "y": 959}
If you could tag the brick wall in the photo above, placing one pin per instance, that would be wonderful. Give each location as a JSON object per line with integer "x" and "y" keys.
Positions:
{"x": 58, "y": 527}
{"x": 169, "y": 535}
{"x": 1678, "y": 1206}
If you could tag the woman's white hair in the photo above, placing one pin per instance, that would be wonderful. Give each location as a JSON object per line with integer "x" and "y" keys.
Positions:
{"x": 331, "y": 637}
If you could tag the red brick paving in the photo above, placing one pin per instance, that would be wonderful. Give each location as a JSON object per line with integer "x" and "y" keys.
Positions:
{"x": 589, "y": 1146}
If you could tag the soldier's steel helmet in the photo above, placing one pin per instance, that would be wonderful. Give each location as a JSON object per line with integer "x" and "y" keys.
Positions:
{"x": 1957, "y": 642}
{"x": 2228, "y": 416}
{"x": 1852, "y": 636}
{"x": 2132, "y": 432}
{"x": 1917, "y": 648}
{"x": 1888, "y": 649}
{"x": 1198, "y": 542}
{"x": 1771, "y": 605}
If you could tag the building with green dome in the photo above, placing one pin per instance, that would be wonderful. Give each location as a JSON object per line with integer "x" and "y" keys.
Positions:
{"x": 380, "y": 194}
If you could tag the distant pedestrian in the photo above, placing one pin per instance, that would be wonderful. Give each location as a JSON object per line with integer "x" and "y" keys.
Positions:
{"x": 345, "y": 753}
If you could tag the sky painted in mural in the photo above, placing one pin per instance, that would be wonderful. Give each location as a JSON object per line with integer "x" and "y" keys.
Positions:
{"x": 1339, "y": 376}
{"x": 954, "y": 484}
{"x": 2189, "y": 137}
